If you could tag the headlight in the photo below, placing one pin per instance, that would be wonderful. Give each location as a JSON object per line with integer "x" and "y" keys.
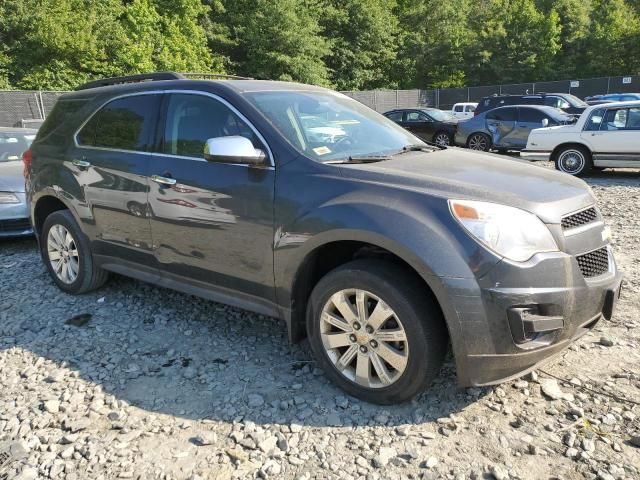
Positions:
{"x": 508, "y": 231}
{"x": 8, "y": 197}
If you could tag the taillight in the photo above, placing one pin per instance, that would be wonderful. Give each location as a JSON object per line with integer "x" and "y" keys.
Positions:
{"x": 26, "y": 159}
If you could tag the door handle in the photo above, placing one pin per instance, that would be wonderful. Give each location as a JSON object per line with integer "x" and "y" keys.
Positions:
{"x": 164, "y": 180}
{"x": 80, "y": 163}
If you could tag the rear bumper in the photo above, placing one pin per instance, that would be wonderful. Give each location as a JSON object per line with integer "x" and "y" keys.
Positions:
{"x": 498, "y": 344}
{"x": 14, "y": 219}
{"x": 535, "y": 155}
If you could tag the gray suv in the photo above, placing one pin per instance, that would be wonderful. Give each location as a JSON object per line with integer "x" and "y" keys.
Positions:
{"x": 300, "y": 203}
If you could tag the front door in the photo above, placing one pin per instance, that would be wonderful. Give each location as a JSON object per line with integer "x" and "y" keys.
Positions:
{"x": 110, "y": 162}
{"x": 528, "y": 119}
{"x": 618, "y": 139}
{"x": 420, "y": 125}
{"x": 211, "y": 222}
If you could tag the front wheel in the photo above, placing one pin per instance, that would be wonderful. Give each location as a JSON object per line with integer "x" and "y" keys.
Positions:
{"x": 574, "y": 160}
{"x": 376, "y": 332}
{"x": 480, "y": 142}
{"x": 442, "y": 139}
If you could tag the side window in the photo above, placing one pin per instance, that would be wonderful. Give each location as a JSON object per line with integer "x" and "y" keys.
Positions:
{"x": 615, "y": 119}
{"x": 395, "y": 116}
{"x": 123, "y": 124}
{"x": 192, "y": 119}
{"x": 531, "y": 115}
{"x": 416, "y": 117}
{"x": 458, "y": 108}
{"x": 470, "y": 109}
{"x": 633, "y": 119}
{"x": 503, "y": 115}
{"x": 595, "y": 120}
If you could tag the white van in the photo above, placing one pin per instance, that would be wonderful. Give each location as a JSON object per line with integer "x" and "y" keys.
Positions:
{"x": 463, "y": 110}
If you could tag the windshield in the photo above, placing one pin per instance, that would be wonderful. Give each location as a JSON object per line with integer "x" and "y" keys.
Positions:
{"x": 327, "y": 126}
{"x": 13, "y": 145}
{"x": 440, "y": 116}
{"x": 575, "y": 101}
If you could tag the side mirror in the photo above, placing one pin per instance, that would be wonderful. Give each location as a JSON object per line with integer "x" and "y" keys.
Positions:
{"x": 545, "y": 122}
{"x": 233, "y": 149}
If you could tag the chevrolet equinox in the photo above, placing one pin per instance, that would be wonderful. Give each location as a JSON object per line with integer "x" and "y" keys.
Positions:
{"x": 300, "y": 203}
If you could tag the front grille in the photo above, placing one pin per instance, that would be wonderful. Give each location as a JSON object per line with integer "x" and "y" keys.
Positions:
{"x": 581, "y": 218}
{"x": 16, "y": 225}
{"x": 594, "y": 263}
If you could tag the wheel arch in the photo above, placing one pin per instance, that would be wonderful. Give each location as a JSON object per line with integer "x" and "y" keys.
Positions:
{"x": 45, "y": 206}
{"x": 479, "y": 132}
{"x": 562, "y": 146}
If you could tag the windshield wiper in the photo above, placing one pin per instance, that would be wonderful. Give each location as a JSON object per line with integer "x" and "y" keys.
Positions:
{"x": 416, "y": 147}
{"x": 361, "y": 159}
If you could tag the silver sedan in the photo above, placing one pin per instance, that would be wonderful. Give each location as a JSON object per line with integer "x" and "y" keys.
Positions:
{"x": 14, "y": 213}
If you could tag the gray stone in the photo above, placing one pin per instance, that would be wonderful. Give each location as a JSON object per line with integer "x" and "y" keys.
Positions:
{"x": 254, "y": 400}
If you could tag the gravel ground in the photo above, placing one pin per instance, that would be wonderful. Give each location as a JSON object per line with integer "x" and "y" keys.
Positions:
{"x": 135, "y": 381}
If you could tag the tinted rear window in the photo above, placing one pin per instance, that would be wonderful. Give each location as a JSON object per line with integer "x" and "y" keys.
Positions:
{"x": 123, "y": 124}
{"x": 62, "y": 112}
{"x": 531, "y": 115}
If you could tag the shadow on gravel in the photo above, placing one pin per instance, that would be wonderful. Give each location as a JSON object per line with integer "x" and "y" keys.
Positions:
{"x": 175, "y": 354}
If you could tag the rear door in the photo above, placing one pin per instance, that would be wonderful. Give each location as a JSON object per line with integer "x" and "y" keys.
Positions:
{"x": 501, "y": 124}
{"x": 111, "y": 164}
{"x": 211, "y": 222}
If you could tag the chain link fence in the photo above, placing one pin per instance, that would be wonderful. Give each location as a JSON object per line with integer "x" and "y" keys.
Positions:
{"x": 18, "y": 107}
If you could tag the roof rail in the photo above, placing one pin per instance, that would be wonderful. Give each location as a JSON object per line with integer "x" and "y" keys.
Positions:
{"x": 155, "y": 76}
{"x": 142, "y": 77}
{"x": 213, "y": 76}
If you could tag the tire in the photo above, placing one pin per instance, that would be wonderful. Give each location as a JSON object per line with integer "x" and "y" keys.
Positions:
{"x": 442, "y": 139}
{"x": 574, "y": 159}
{"x": 479, "y": 141}
{"x": 415, "y": 338}
{"x": 82, "y": 275}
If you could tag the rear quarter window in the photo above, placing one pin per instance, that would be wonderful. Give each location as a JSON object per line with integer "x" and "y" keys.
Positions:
{"x": 61, "y": 115}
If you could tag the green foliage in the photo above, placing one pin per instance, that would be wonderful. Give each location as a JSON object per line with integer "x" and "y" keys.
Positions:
{"x": 347, "y": 44}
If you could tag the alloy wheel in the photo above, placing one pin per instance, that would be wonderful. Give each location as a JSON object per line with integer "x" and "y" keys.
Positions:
{"x": 63, "y": 254}
{"x": 442, "y": 140}
{"x": 478, "y": 142}
{"x": 364, "y": 338}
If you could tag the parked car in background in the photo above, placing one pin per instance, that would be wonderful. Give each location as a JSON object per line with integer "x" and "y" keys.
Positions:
{"x": 14, "y": 213}
{"x": 462, "y": 111}
{"x": 563, "y": 101}
{"x": 429, "y": 124}
{"x": 606, "y": 135}
{"x": 379, "y": 248}
{"x": 507, "y": 128}
{"x": 612, "y": 97}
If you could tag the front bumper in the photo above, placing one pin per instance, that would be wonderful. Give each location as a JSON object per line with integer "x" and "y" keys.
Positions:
{"x": 14, "y": 218}
{"x": 500, "y": 342}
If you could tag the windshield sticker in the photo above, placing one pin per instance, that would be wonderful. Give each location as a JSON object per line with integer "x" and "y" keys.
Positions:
{"x": 321, "y": 150}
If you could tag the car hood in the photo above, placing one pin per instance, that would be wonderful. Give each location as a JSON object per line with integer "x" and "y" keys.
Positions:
{"x": 461, "y": 174}
{"x": 11, "y": 177}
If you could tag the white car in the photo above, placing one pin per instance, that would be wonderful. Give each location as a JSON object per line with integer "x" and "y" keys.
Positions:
{"x": 606, "y": 135}
{"x": 464, "y": 110}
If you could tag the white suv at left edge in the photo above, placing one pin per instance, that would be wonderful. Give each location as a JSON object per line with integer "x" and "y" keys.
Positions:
{"x": 606, "y": 135}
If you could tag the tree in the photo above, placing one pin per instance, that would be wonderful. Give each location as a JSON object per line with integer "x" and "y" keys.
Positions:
{"x": 363, "y": 38}
{"x": 276, "y": 40}
{"x": 434, "y": 38}
{"x": 515, "y": 42}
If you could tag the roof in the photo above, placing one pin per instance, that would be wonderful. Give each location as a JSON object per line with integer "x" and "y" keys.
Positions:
{"x": 633, "y": 103}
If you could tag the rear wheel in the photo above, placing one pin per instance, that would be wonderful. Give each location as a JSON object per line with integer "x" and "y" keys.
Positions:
{"x": 442, "y": 139}
{"x": 480, "y": 142}
{"x": 66, "y": 253}
{"x": 574, "y": 160}
{"x": 376, "y": 332}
